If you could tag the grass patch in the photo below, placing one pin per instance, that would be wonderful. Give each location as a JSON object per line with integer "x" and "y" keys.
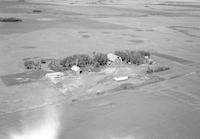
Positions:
{"x": 22, "y": 78}
{"x": 56, "y": 66}
{"x": 36, "y": 11}
{"x": 157, "y": 69}
{"x": 10, "y": 19}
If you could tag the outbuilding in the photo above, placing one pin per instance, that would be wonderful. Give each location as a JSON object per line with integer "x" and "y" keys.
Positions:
{"x": 114, "y": 58}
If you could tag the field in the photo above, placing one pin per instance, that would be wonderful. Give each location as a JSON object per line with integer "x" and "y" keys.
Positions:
{"x": 166, "y": 107}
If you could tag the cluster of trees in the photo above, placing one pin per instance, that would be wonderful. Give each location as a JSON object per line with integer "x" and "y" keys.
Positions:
{"x": 83, "y": 60}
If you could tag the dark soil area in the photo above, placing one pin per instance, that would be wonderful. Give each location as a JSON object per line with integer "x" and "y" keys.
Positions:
{"x": 10, "y": 19}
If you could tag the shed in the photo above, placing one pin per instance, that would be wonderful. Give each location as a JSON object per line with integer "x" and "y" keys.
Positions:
{"x": 114, "y": 58}
{"x": 76, "y": 69}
